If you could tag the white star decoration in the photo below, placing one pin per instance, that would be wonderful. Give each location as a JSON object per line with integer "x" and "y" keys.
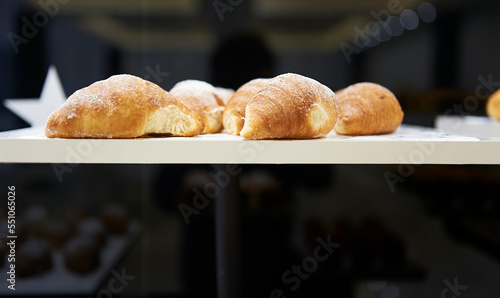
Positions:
{"x": 36, "y": 111}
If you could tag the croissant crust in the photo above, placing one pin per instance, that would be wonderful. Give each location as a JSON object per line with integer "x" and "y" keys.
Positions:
{"x": 201, "y": 97}
{"x": 367, "y": 109}
{"x": 290, "y": 106}
{"x": 493, "y": 105}
{"x": 122, "y": 106}
{"x": 233, "y": 117}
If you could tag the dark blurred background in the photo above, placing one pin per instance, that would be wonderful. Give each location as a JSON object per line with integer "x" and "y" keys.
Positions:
{"x": 434, "y": 62}
{"x": 439, "y": 228}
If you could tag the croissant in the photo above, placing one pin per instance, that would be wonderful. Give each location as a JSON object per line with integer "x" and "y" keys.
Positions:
{"x": 122, "y": 106}
{"x": 367, "y": 109}
{"x": 493, "y": 105}
{"x": 200, "y": 97}
{"x": 223, "y": 95}
{"x": 290, "y": 106}
{"x": 234, "y": 113}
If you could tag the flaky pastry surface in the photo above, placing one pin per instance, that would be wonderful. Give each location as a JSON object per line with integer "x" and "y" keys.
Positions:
{"x": 233, "y": 117}
{"x": 290, "y": 106}
{"x": 367, "y": 109}
{"x": 122, "y": 106}
{"x": 223, "y": 95}
{"x": 200, "y": 97}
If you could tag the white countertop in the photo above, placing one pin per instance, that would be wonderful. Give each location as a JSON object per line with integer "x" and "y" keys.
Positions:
{"x": 408, "y": 145}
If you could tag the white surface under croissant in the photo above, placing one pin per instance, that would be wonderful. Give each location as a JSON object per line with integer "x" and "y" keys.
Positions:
{"x": 409, "y": 144}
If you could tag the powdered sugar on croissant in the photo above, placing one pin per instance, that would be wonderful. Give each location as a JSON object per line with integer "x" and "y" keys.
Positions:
{"x": 233, "y": 117}
{"x": 122, "y": 106}
{"x": 290, "y": 106}
{"x": 223, "y": 95}
{"x": 201, "y": 97}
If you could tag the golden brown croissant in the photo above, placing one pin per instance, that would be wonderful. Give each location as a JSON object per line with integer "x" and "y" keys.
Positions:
{"x": 367, "y": 109}
{"x": 234, "y": 113}
{"x": 223, "y": 95}
{"x": 200, "y": 97}
{"x": 123, "y": 106}
{"x": 290, "y": 106}
{"x": 493, "y": 105}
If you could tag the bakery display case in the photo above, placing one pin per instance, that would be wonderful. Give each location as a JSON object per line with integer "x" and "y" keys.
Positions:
{"x": 400, "y": 208}
{"x": 409, "y": 149}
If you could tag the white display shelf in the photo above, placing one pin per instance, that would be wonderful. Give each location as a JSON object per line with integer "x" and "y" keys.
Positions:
{"x": 408, "y": 145}
{"x": 469, "y": 126}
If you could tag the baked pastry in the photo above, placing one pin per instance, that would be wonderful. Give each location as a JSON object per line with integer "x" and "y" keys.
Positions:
{"x": 200, "y": 97}
{"x": 290, "y": 106}
{"x": 35, "y": 218}
{"x": 123, "y": 106}
{"x": 223, "y": 95}
{"x": 73, "y": 216}
{"x": 115, "y": 218}
{"x": 493, "y": 105}
{"x": 94, "y": 228}
{"x": 367, "y": 109}
{"x": 55, "y": 232}
{"x": 81, "y": 254}
{"x": 233, "y": 117}
{"x": 33, "y": 257}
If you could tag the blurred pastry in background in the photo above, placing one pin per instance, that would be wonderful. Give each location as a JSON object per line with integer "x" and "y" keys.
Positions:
{"x": 493, "y": 105}
{"x": 33, "y": 257}
{"x": 81, "y": 254}
{"x": 55, "y": 231}
{"x": 115, "y": 218}
{"x": 94, "y": 228}
{"x": 34, "y": 218}
{"x": 257, "y": 182}
{"x": 73, "y": 216}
